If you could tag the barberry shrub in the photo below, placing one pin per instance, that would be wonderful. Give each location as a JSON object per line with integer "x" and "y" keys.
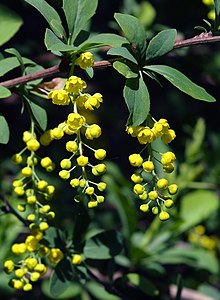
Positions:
{"x": 63, "y": 165}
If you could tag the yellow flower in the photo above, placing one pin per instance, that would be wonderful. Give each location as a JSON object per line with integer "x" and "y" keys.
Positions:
{"x": 94, "y": 131}
{"x": 33, "y": 145}
{"x": 93, "y": 101}
{"x": 55, "y": 255}
{"x": 75, "y": 85}
{"x": 77, "y": 259}
{"x": 145, "y": 135}
{"x": 135, "y": 160}
{"x": 31, "y": 243}
{"x": 59, "y": 97}
{"x": 85, "y": 60}
{"x": 82, "y": 161}
{"x": 9, "y": 266}
{"x": 75, "y": 121}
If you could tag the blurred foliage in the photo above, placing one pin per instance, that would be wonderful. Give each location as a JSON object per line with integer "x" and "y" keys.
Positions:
{"x": 154, "y": 253}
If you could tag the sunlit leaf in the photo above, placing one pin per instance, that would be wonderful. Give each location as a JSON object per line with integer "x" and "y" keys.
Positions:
{"x": 104, "y": 245}
{"x": 4, "y": 92}
{"x": 197, "y": 206}
{"x": 133, "y": 30}
{"x": 124, "y": 69}
{"x": 10, "y": 23}
{"x": 78, "y": 13}
{"x": 4, "y": 130}
{"x": 50, "y": 14}
{"x": 182, "y": 82}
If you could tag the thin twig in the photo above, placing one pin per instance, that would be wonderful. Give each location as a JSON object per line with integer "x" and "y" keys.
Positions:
{"x": 203, "y": 38}
{"x": 7, "y": 208}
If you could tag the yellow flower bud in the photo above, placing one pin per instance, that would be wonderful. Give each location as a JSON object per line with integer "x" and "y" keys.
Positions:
{"x": 71, "y": 146}
{"x": 64, "y": 174}
{"x": 26, "y": 171}
{"x": 100, "y": 154}
{"x": 162, "y": 183}
{"x": 138, "y": 189}
{"x": 33, "y": 145}
{"x": 164, "y": 216}
{"x": 148, "y": 166}
{"x": 153, "y": 195}
{"x": 77, "y": 259}
{"x": 82, "y": 160}
{"x": 135, "y": 160}
{"x": 144, "y": 207}
{"x": 65, "y": 163}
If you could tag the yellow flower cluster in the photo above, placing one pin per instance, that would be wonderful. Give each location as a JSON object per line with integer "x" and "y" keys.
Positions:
{"x": 76, "y": 125}
{"x": 145, "y": 134}
{"x": 199, "y": 237}
{"x": 30, "y": 268}
{"x": 148, "y": 186}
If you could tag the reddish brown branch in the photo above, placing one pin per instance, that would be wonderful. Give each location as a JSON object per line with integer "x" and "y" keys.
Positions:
{"x": 203, "y": 38}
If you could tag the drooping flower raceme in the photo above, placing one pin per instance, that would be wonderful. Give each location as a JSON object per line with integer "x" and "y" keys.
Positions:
{"x": 148, "y": 186}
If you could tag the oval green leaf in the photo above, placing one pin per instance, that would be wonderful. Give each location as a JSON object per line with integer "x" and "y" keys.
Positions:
{"x": 4, "y": 92}
{"x": 196, "y": 207}
{"x": 104, "y": 245}
{"x": 50, "y": 14}
{"x": 10, "y": 23}
{"x": 4, "y": 130}
{"x": 78, "y": 13}
{"x": 124, "y": 69}
{"x": 161, "y": 44}
{"x": 123, "y": 52}
{"x": 61, "y": 278}
{"x": 137, "y": 99}
{"x": 182, "y": 82}
{"x": 133, "y": 29}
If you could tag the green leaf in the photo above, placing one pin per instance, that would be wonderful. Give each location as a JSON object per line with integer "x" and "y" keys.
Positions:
{"x": 32, "y": 70}
{"x": 104, "y": 245}
{"x": 10, "y": 63}
{"x": 54, "y": 237}
{"x": 124, "y": 69}
{"x": 198, "y": 258}
{"x": 142, "y": 283}
{"x": 98, "y": 291}
{"x": 61, "y": 277}
{"x": 39, "y": 114}
{"x": 133, "y": 30}
{"x": 182, "y": 82}
{"x": 72, "y": 291}
{"x": 78, "y": 13}
{"x": 217, "y": 7}
{"x": 53, "y": 43}
{"x": 4, "y": 92}
{"x": 4, "y": 130}
{"x": 161, "y": 44}
{"x": 108, "y": 39}
{"x": 50, "y": 14}
{"x": 15, "y": 52}
{"x": 10, "y": 23}
{"x": 120, "y": 195}
{"x": 123, "y": 52}
{"x": 137, "y": 99}
{"x": 197, "y": 206}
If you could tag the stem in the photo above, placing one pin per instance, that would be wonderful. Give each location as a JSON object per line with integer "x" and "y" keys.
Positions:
{"x": 7, "y": 208}
{"x": 203, "y": 38}
{"x": 150, "y": 232}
